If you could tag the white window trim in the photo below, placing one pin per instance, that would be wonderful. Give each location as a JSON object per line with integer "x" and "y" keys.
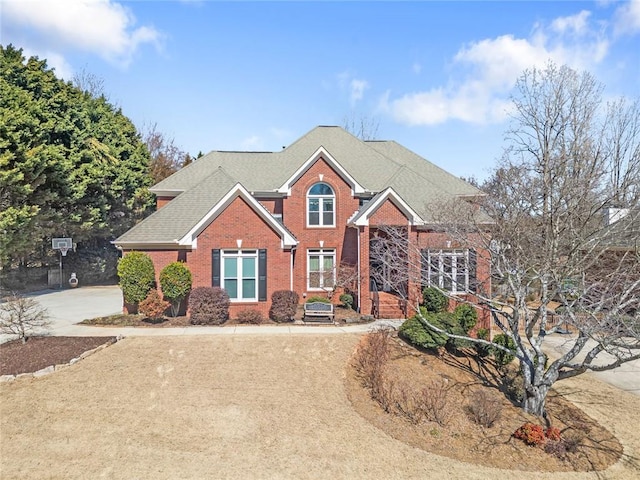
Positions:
{"x": 239, "y": 255}
{"x": 439, "y": 256}
{"x": 322, "y": 198}
{"x": 322, "y": 252}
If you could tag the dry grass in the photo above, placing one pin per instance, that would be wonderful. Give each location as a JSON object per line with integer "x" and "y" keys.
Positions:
{"x": 235, "y": 407}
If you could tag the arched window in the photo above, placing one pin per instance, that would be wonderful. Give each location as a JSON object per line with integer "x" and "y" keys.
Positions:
{"x": 321, "y": 206}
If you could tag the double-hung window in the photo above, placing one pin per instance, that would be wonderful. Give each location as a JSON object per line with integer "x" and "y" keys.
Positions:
{"x": 447, "y": 269}
{"x": 240, "y": 274}
{"x": 321, "y": 271}
{"x": 321, "y": 202}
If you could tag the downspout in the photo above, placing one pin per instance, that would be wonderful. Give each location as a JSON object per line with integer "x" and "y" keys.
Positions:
{"x": 293, "y": 249}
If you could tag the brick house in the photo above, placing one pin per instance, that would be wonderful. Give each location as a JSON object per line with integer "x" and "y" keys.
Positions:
{"x": 296, "y": 219}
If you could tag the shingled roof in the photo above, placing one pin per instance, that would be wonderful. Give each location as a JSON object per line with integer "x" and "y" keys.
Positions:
{"x": 374, "y": 165}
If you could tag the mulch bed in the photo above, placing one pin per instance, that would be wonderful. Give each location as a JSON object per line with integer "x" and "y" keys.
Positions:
{"x": 462, "y": 439}
{"x": 41, "y": 352}
{"x": 342, "y": 315}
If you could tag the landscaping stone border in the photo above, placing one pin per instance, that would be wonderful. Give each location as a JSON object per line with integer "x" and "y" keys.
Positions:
{"x": 55, "y": 368}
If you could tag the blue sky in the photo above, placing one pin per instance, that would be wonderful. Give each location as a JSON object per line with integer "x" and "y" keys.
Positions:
{"x": 435, "y": 76}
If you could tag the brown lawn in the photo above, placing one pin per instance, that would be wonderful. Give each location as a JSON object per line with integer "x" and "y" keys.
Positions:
{"x": 239, "y": 407}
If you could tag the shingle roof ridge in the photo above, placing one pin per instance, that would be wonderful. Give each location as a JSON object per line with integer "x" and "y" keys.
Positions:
{"x": 439, "y": 168}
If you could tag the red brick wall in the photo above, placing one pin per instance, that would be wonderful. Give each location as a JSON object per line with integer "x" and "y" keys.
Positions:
{"x": 338, "y": 237}
{"x": 162, "y": 201}
{"x": 388, "y": 214}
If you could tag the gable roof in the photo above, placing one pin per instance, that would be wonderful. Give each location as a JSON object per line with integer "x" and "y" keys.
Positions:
{"x": 179, "y": 223}
{"x": 371, "y": 168}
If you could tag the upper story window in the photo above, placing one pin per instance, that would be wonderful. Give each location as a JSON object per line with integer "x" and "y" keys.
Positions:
{"x": 321, "y": 202}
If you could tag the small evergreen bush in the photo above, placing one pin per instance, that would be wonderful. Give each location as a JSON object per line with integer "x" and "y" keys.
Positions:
{"x": 250, "y": 316}
{"x": 208, "y": 306}
{"x": 175, "y": 281}
{"x": 284, "y": 304}
{"x": 153, "y": 306}
{"x": 434, "y": 300}
{"x": 318, "y": 298}
{"x": 503, "y": 358}
{"x": 417, "y": 334}
{"x": 482, "y": 350}
{"x": 467, "y": 317}
{"x": 347, "y": 300}
{"x": 137, "y": 276}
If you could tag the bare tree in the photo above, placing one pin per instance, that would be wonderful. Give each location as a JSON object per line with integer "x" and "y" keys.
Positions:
{"x": 543, "y": 228}
{"x": 166, "y": 157}
{"x": 365, "y": 128}
{"x": 22, "y": 316}
{"x": 90, "y": 83}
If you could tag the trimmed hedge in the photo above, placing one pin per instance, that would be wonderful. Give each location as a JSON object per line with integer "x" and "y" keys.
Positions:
{"x": 208, "y": 306}
{"x": 434, "y": 300}
{"x": 175, "y": 281}
{"x": 284, "y": 304}
{"x": 137, "y": 276}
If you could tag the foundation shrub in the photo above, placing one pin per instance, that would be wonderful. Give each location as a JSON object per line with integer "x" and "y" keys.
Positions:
{"x": 434, "y": 300}
{"x": 503, "y": 358}
{"x": 175, "y": 281}
{"x": 283, "y": 306}
{"x": 208, "y": 306}
{"x": 318, "y": 298}
{"x": 419, "y": 335}
{"x": 531, "y": 434}
{"x": 250, "y": 316}
{"x": 347, "y": 300}
{"x": 484, "y": 409}
{"x": 482, "y": 350}
{"x": 153, "y": 306}
{"x": 137, "y": 276}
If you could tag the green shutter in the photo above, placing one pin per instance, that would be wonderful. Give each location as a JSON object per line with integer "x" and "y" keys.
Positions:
{"x": 473, "y": 267}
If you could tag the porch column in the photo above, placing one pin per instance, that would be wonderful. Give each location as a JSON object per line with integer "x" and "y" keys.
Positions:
{"x": 414, "y": 287}
{"x": 365, "y": 295}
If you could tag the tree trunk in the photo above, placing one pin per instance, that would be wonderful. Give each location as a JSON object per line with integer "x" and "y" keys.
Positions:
{"x": 535, "y": 398}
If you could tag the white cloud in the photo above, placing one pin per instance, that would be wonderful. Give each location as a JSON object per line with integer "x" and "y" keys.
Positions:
{"x": 484, "y": 72}
{"x": 357, "y": 89}
{"x": 572, "y": 24}
{"x": 54, "y": 60}
{"x": 103, "y": 27}
{"x": 355, "y": 86}
{"x": 627, "y": 18}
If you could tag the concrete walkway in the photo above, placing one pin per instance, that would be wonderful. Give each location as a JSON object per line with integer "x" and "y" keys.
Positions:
{"x": 70, "y": 306}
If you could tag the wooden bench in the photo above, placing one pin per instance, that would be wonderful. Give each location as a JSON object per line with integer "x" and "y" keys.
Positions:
{"x": 318, "y": 310}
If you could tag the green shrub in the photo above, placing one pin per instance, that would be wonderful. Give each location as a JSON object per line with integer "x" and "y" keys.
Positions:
{"x": 153, "y": 306}
{"x": 467, "y": 317}
{"x": 250, "y": 316}
{"x": 434, "y": 300}
{"x": 503, "y": 358}
{"x": 417, "y": 334}
{"x": 284, "y": 304}
{"x": 175, "y": 281}
{"x": 208, "y": 306}
{"x": 347, "y": 300}
{"x": 137, "y": 276}
{"x": 318, "y": 298}
{"x": 482, "y": 350}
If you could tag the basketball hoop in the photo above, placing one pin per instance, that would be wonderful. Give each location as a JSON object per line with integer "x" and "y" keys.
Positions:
{"x": 64, "y": 250}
